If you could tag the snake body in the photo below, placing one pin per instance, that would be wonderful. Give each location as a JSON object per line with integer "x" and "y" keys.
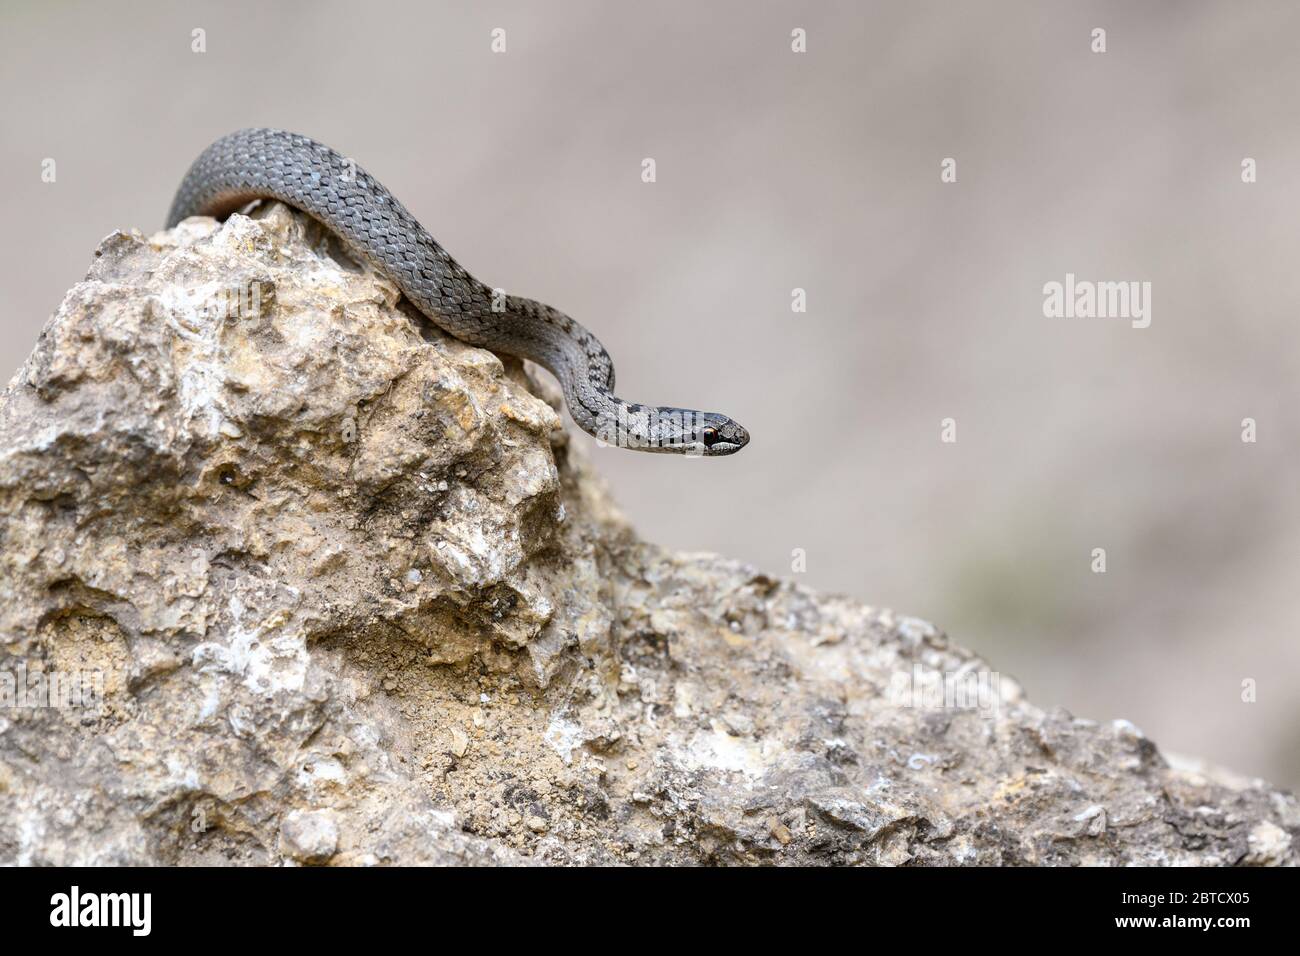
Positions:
{"x": 257, "y": 164}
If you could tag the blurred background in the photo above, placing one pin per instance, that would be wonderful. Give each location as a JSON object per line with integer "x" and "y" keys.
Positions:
{"x": 821, "y": 171}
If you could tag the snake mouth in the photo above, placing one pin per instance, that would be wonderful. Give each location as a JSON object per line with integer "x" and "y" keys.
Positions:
{"x": 737, "y": 438}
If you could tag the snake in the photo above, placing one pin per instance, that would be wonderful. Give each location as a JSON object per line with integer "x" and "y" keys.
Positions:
{"x": 272, "y": 164}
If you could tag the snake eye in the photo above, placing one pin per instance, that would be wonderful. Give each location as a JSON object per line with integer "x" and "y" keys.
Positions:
{"x": 710, "y": 436}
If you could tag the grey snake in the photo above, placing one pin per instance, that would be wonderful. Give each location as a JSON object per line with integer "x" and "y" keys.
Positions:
{"x": 257, "y": 164}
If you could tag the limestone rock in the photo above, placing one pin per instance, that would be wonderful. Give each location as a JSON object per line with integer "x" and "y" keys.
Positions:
{"x": 309, "y": 836}
{"x": 288, "y": 575}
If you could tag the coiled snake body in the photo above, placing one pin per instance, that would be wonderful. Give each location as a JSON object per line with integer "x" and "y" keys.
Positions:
{"x": 273, "y": 164}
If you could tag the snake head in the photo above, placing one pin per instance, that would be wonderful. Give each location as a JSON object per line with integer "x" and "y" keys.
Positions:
{"x": 719, "y": 435}
{"x": 684, "y": 431}
{"x": 665, "y": 430}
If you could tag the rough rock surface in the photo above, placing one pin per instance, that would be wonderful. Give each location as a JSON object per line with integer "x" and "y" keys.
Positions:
{"x": 338, "y": 590}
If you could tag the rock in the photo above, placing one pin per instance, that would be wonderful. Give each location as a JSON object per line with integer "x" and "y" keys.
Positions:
{"x": 286, "y": 573}
{"x": 309, "y": 836}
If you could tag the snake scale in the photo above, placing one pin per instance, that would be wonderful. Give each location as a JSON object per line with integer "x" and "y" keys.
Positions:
{"x": 257, "y": 164}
